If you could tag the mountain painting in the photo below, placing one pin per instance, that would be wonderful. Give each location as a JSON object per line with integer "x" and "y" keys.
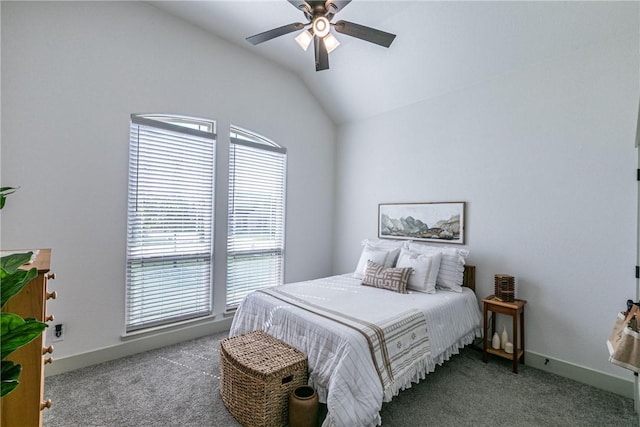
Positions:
{"x": 438, "y": 222}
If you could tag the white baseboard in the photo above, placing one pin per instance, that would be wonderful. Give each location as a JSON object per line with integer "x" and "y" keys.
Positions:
{"x": 584, "y": 375}
{"x": 132, "y": 346}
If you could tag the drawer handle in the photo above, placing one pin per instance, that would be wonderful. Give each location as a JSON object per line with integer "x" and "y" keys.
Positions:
{"x": 46, "y": 350}
{"x": 51, "y": 276}
{"x": 45, "y": 404}
{"x": 48, "y": 360}
{"x": 49, "y": 318}
{"x": 52, "y": 295}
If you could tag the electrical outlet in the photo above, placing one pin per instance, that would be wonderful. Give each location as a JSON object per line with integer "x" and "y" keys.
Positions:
{"x": 57, "y": 334}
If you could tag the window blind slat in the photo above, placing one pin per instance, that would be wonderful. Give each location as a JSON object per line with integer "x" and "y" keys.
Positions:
{"x": 169, "y": 221}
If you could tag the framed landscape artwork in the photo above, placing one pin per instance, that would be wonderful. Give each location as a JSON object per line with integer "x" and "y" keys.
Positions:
{"x": 432, "y": 222}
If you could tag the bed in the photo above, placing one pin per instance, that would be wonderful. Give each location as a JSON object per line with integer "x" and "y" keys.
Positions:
{"x": 365, "y": 344}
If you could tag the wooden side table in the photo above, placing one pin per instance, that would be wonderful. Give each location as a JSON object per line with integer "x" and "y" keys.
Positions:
{"x": 514, "y": 309}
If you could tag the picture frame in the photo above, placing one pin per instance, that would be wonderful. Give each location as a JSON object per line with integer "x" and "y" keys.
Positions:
{"x": 439, "y": 222}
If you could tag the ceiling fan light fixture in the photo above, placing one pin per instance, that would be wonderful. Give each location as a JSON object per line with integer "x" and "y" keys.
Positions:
{"x": 304, "y": 39}
{"x": 321, "y": 26}
{"x": 330, "y": 42}
{"x": 319, "y": 14}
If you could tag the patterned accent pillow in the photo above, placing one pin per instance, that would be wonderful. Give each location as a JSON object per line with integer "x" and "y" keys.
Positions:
{"x": 392, "y": 279}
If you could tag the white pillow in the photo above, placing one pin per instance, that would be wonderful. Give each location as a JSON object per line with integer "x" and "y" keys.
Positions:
{"x": 425, "y": 269}
{"x": 451, "y": 271}
{"x": 379, "y": 255}
{"x": 386, "y": 243}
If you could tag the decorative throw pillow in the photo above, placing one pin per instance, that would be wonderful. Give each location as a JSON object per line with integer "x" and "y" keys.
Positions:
{"x": 385, "y": 256}
{"x": 451, "y": 271}
{"x": 392, "y": 279}
{"x": 425, "y": 270}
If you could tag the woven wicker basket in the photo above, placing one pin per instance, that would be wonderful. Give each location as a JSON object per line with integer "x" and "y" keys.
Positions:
{"x": 258, "y": 372}
{"x": 505, "y": 287}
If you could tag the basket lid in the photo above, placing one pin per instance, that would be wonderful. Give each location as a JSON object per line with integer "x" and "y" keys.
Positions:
{"x": 261, "y": 353}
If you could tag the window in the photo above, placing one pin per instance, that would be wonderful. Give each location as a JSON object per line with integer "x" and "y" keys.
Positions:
{"x": 255, "y": 239}
{"x": 169, "y": 220}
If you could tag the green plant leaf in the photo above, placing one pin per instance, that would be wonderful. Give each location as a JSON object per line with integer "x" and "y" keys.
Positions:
{"x": 8, "y": 386}
{"x": 13, "y": 283}
{"x": 17, "y": 332}
{"x": 10, "y": 369}
{"x": 10, "y": 375}
{"x": 4, "y": 192}
{"x": 11, "y": 263}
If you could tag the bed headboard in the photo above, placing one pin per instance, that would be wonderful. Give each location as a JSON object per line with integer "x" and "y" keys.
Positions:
{"x": 469, "y": 278}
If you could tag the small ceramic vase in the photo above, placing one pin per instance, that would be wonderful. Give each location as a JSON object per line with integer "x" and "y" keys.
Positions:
{"x": 495, "y": 342}
{"x": 508, "y": 348}
{"x": 505, "y": 338}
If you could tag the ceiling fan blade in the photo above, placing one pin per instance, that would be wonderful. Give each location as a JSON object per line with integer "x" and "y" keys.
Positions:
{"x": 365, "y": 33}
{"x": 322, "y": 56}
{"x": 335, "y": 6}
{"x": 332, "y": 7}
{"x": 276, "y": 32}
{"x": 303, "y": 6}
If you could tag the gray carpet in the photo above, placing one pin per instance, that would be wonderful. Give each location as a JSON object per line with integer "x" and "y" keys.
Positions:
{"x": 179, "y": 386}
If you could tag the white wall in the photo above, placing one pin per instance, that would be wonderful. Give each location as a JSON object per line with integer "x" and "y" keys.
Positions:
{"x": 72, "y": 73}
{"x": 545, "y": 159}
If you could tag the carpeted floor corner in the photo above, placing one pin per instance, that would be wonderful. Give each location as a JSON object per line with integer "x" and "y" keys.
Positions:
{"x": 173, "y": 386}
{"x": 179, "y": 386}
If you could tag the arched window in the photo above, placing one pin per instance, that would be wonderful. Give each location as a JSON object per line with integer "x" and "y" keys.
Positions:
{"x": 256, "y": 221}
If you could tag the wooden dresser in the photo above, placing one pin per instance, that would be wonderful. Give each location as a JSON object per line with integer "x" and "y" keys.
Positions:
{"x": 23, "y": 406}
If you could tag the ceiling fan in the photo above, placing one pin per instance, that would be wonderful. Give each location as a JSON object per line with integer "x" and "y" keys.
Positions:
{"x": 319, "y": 14}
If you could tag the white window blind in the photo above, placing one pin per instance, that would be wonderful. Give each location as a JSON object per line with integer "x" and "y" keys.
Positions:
{"x": 170, "y": 220}
{"x": 256, "y": 221}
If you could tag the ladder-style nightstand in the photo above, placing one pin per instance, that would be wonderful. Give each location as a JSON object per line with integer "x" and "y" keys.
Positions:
{"x": 514, "y": 309}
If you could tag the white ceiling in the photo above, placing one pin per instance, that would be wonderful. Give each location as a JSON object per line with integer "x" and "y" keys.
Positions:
{"x": 441, "y": 46}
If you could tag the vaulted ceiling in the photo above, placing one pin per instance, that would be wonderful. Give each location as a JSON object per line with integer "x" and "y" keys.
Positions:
{"x": 441, "y": 46}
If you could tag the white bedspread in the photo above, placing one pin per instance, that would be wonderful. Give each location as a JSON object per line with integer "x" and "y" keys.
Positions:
{"x": 340, "y": 363}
